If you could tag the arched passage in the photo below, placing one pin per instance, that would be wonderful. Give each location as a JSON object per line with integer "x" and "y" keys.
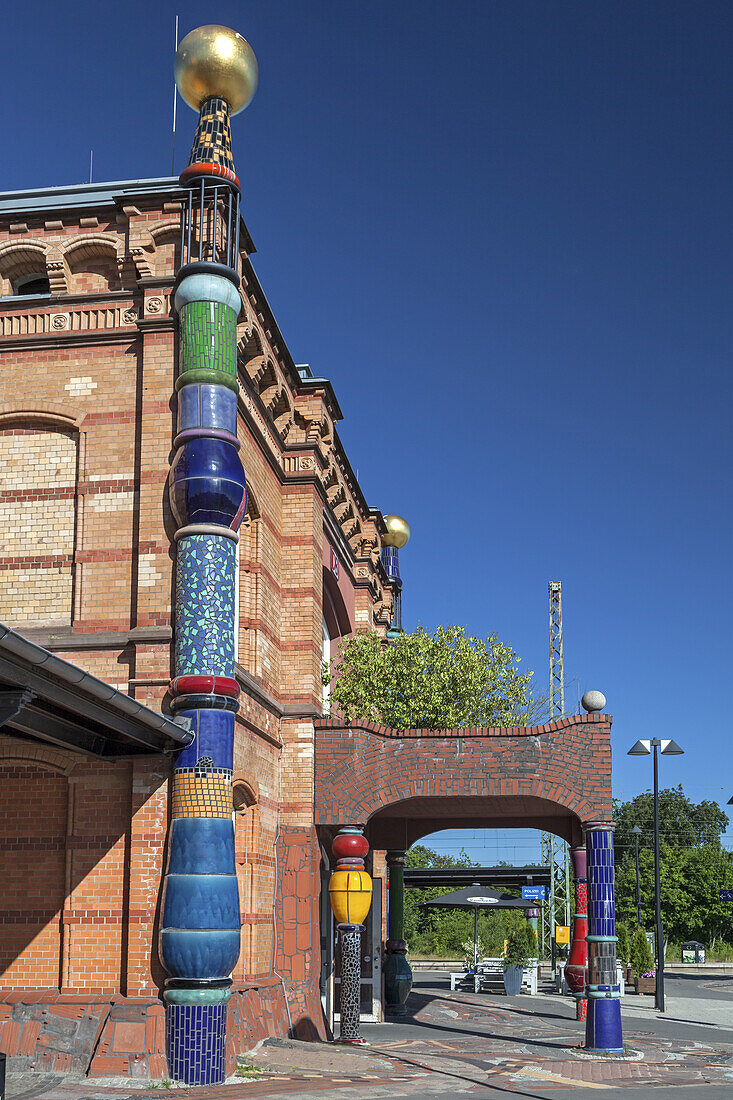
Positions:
{"x": 401, "y": 824}
{"x": 558, "y": 775}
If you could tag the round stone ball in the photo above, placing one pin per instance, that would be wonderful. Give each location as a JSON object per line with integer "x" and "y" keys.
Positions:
{"x": 593, "y": 700}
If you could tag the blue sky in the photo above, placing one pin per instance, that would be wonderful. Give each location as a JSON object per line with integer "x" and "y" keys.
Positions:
{"x": 503, "y": 229}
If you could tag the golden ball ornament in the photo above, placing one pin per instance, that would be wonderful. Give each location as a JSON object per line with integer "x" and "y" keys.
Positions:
{"x": 216, "y": 61}
{"x": 398, "y": 532}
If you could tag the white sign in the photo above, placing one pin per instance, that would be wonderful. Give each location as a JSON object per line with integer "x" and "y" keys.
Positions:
{"x": 482, "y": 901}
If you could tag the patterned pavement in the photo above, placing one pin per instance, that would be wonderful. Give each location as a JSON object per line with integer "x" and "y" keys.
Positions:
{"x": 458, "y": 1043}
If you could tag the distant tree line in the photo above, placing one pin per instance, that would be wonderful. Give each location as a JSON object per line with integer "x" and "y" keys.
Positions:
{"x": 695, "y": 867}
{"x": 448, "y": 933}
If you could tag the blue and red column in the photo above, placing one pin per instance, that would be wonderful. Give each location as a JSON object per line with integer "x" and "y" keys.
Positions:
{"x": 603, "y": 1024}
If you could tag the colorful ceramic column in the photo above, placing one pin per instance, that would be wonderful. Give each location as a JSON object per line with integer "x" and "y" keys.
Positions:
{"x": 216, "y": 73}
{"x": 350, "y": 892}
{"x": 397, "y": 536}
{"x": 397, "y": 971}
{"x": 576, "y": 968}
{"x": 603, "y": 1024}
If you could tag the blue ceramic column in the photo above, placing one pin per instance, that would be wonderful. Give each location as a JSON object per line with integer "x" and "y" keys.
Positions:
{"x": 396, "y": 536}
{"x": 200, "y": 923}
{"x": 603, "y": 1023}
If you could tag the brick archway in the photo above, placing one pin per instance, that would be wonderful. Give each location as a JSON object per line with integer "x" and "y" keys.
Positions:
{"x": 404, "y": 784}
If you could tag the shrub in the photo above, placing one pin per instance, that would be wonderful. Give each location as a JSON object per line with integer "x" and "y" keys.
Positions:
{"x": 642, "y": 962}
{"x": 517, "y": 948}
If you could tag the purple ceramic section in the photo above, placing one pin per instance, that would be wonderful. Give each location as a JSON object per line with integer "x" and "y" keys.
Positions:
{"x": 208, "y": 433}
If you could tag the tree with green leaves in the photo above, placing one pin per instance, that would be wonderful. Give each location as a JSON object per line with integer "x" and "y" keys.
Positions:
{"x": 694, "y": 867}
{"x": 432, "y": 681}
{"x": 682, "y": 823}
{"x": 445, "y": 932}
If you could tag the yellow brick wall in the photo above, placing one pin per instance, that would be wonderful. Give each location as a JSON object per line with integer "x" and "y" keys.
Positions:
{"x": 37, "y": 520}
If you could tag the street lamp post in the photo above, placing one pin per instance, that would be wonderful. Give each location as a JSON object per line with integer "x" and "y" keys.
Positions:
{"x": 667, "y": 748}
{"x": 636, "y": 833}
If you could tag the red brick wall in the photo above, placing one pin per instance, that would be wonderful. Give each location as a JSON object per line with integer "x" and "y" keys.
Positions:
{"x": 92, "y": 368}
{"x": 556, "y": 773}
{"x": 32, "y": 860}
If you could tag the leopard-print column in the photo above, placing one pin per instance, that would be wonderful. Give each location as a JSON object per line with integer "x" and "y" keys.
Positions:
{"x": 350, "y": 1003}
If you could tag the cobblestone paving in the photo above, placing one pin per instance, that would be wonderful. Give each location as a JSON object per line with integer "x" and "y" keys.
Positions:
{"x": 451, "y": 1044}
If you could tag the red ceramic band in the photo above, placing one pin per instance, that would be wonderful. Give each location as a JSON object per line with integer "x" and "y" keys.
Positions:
{"x": 205, "y": 685}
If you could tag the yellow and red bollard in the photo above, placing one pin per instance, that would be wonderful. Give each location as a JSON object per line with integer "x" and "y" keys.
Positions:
{"x": 350, "y": 893}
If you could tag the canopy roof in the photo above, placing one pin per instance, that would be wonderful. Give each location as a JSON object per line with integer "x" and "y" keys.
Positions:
{"x": 478, "y": 897}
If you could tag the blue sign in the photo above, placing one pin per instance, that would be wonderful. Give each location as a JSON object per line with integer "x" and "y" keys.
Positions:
{"x": 535, "y": 893}
{"x": 724, "y": 895}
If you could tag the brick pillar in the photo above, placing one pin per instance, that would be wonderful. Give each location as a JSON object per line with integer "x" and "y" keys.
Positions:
{"x": 146, "y": 847}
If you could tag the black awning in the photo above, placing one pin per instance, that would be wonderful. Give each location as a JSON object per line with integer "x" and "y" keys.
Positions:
{"x": 512, "y": 878}
{"x": 44, "y": 698}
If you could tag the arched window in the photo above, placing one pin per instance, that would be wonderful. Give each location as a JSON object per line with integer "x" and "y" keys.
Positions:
{"x": 32, "y": 285}
{"x": 37, "y": 532}
{"x": 336, "y": 626}
{"x": 247, "y": 594}
{"x": 326, "y": 659}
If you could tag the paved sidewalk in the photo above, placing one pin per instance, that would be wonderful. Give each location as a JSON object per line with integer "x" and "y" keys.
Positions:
{"x": 460, "y": 1043}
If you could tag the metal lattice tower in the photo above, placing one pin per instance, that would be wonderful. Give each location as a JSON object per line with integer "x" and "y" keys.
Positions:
{"x": 556, "y": 852}
{"x": 557, "y": 671}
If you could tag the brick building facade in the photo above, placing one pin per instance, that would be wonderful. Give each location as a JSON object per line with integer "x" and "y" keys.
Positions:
{"x": 88, "y": 345}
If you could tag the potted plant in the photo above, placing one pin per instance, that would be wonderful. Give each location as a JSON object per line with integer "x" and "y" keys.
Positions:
{"x": 515, "y": 960}
{"x": 643, "y": 963}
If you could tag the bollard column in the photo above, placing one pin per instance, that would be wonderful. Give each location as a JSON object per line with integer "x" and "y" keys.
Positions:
{"x": 576, "y": 969}
{"x": 603, "y": 1024}
{"x": 397, "y": 971}
{"x": 350, "y": 893}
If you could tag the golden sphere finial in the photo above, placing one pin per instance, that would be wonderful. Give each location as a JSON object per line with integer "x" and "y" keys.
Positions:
{"x": 398, "y": 532}
{"x": 215, "y": 60}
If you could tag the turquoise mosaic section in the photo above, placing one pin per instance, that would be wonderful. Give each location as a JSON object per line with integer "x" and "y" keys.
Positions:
{"x": 208, "y": 338}
{"x": 205, "y": 579}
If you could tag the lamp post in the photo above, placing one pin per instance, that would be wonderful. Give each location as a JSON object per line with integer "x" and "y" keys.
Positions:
{"x": 636, "y": 833}
{"x": 667, "y": 748}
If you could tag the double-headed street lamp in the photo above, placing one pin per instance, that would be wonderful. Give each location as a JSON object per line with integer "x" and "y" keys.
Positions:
{"x": 636, "y": 833}
{"x": 667, "y": 748}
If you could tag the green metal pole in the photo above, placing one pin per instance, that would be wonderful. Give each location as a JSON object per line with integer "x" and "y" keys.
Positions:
{"x": 396, "y": 921}
{"x": 397, "y": 971}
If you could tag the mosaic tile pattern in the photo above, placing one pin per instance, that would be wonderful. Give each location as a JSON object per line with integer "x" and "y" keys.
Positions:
{"x": 350, "y": 983}
{"x": 213, "y": 732}
{"x": 205, "y": 578}
{"x": 391, "y": 561}
{"x": 212, "y": 142}
{"x": 208, "y": 338}
{"x": 603, "y": 1022}
{"x": 195, "y": 1043}
{"x": 202, "y": 795}
{"x": 200, "y": 933}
